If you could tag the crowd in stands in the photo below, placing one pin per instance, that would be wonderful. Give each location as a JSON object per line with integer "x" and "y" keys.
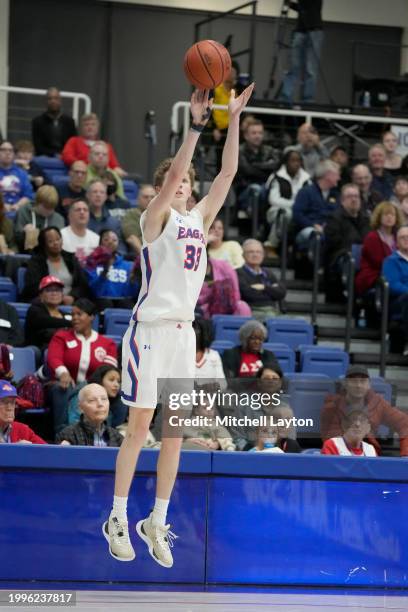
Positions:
{"x": 83, "y": 241}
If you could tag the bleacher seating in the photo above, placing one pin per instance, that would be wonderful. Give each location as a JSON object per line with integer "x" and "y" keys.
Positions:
{"x": 284, "y": 354}
{"x": 51, "y": 166}
{"x": 8, "y": 290}
{"x": 22, "y": 362}
{"x": 131, "y": 190}
{"x": 292, "y": 332}
{"x": 306, "y": 394}
{"x": 116, "y": 321}
{"x": 22, "y": 309}
{"x": 221, "y": 345}
{"x": 226, "y": 327}
{"x": 323, "y": 360}
{"x": 21, "y": 273}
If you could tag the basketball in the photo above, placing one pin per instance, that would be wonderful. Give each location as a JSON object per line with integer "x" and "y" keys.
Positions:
{"x": 207, "y": 64}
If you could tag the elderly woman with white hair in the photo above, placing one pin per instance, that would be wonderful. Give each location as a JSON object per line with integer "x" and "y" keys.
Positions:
{"x": 245, "y": 360}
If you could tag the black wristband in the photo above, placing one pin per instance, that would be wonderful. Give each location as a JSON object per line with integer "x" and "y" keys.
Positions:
{"x": 197, "y": 127}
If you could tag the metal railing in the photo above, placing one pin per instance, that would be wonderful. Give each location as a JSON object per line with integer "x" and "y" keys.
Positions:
{"x": 282, "y": 226}
{"x": 314, "y": 253}
{"x": 307, "y": 115}
{"x": 382, "y": 301}
{"x": 75, "y": 96}
{"x": 348, "y": 275}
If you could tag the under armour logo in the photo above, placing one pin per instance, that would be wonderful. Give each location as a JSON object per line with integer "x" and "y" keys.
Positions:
{"x": 147, "y": 346}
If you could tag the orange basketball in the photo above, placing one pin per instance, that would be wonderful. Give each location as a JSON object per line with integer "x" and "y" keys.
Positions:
{"x": 207, "y": 64}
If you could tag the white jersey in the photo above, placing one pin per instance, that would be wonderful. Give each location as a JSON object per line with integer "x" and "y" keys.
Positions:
{"x": 173, "y": 270}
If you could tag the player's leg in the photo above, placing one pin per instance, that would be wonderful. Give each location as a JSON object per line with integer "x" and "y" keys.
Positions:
{"x": 115, "y": 529}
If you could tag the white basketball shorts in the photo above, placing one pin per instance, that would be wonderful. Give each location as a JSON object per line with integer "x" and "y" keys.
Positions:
{"x": 152, "y": 353}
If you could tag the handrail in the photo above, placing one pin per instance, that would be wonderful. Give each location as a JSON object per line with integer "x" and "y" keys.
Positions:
{"x": 75, "y": 96}
{"x": 349, "y": 271}
{"x": 282, "y": 233}
{"x": 382, "y": 299}
{"x": 316, "y": 249}
{"x": 308, "y": 115}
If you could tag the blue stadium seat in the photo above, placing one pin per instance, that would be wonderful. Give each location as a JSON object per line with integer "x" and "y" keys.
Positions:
{"x": 221, "y": 345}
{"x": 21, "y": 273}
{"x": 306, "y": 394}
{"x": 356, "y": 253}
{"x": 116, "y": 321}
{"x": 227, "y": 327}
{"x": 289, "y": 331}
{"x": 131, "y": 190}
{"x": 8, "y": 290}
{"x": 22, "y": 362}
{"x": 116, "y": 338}
{"x": 60, "y": 180}
{"x": 284, "y": 354}
{"x": 21, "y": 308}
{"x": 51, "y": 166}
{"x": 324, "y": 360}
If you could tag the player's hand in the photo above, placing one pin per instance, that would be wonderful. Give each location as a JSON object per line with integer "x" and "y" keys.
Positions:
{"x": 201, "y": 106}
{"x": 236, "y": 105}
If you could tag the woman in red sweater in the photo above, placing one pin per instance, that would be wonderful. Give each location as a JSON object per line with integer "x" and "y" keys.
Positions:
{"x": 378, "y": 244}
{"x": 74, "y": 355}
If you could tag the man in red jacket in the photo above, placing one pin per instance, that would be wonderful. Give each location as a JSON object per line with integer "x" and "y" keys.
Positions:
{"x": 357, "y": 395}
{"x": 11, "y": 431}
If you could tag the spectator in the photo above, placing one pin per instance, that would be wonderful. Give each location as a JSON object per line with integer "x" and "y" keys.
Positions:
{"x": 400, "y": 191}
{"x": 193, "y": 200}
{"x": 76, "y": 237}
{"x": 24, "y": 159}
{"x": 392, "y": 159}
{"x": 315, "y": 202}
{"x": 131, "y": 229}
{"x": 269, "y": 382}
{"x": 220, "y": 117}
{"x": 362, "y": 177}
{"x": 111, "y": 278}
{"x": 44, "y": 317}
{"x": 357, "y": 394}
{"x": 310, "y": 148}
{"x": 355, "y": 427}
{"x": 92, "y": 428}
{"x": 340, "y": 156}
{"x": 74, "y": 355}
{"x": 259, "y": 286}
{"x": 208, "y": 361}
{"x": 382, "y": 180}
{"x": 8, "y": 244}
{"x": 220, "y": 291}
{"x": 267, "y": 440}
{"x": 377, "y": 245}
{"x": 228, "y": 250}
{"x": 52, "y": 129}
{"x": 117, "y": 206}
{"x": 283, "y": 188}
{"x": 32, "y": 218}
{"x": 244, "y": 360}
{"x": 109, "y": 377}
{"x": 404, "y": 210}
{"x": 256, "y": 162}
{"x": 74, "y": 189}
{"x": 395, "y": 270}
{"x": 346, "y": 226}
{"x": 15, "y": 183}
{"x": 11, "y": 332}
{"x": 99, "y": 215}
{"x": 305, "y": 51}
{"x": 50, "y": 259}
{"x": 98, "y": 165}
{"x": 78, "y": 147}
{"x": 208, "y": 435}
{"x": 10, "y": 430}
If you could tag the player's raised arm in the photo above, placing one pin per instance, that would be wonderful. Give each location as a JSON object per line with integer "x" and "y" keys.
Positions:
{"x": 212, "y": 203}
{"x": 200, "y": 107}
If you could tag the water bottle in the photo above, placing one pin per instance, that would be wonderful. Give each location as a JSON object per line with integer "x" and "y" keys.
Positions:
{"x": 366, "y": 99}
{"x": 268, "y": 444}
{"x": 362, "y": 321}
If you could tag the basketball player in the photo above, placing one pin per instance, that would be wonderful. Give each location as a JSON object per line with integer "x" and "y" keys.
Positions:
{"x": 160, "y": 341}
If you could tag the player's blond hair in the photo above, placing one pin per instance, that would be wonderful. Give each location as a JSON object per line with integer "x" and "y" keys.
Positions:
{"x": 164, "y": 166}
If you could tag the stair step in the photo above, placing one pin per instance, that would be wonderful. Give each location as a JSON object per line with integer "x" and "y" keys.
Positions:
{"x": 356, "y": 346}
{"x": 302, "y": 297}
{"x": 356, "y": 333}
{"x": 393, "y": 359}
{"x": 323, "y": 308}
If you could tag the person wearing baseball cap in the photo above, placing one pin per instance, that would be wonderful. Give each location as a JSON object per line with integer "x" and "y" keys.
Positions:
{"x": 44, "y": 317}
{"x": 10, "y": 430}
{"x": 357, "y": 395}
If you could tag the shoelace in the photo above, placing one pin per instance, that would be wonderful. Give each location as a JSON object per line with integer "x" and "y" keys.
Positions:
{"x": 121, "y": 527}
{"x": 165, "y": 536}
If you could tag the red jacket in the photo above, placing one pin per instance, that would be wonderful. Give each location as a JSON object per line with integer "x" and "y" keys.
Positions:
{"x": 80, "y": 356}
{"x": 379, "y": 412}
{"x": 19, "y": 431}
{"x": 373, "y": 253}
{"x": 76, "y": 149}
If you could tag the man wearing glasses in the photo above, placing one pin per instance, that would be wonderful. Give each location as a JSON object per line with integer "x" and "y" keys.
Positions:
{"x": 74, "y": 189}
{"x": 15, "y": 182}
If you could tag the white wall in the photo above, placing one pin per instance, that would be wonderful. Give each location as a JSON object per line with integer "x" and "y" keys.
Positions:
{"x": 370, "y": 12}
{"x": 4, "y": 36}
